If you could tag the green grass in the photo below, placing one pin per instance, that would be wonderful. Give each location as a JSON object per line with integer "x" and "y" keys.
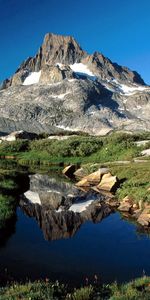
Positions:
{"x": 117, "y": 146}
{"x": 44, "y": 290}
{"x": 137, "y": 180}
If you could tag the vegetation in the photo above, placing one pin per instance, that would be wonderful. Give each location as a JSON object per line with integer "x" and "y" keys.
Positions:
{"x": 135, "y": 179}
{"x": 117, "y": 146}
{"x": 7, "y": 200}
{"x": 44, "y": 290}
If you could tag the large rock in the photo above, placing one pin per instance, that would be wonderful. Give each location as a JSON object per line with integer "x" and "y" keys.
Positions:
{"x": 144, "y": 218}
{"x": 126, "y": 204}
{"x": 83, "y": 183}
{"x": 108, "y": 182}
{"x": 79, "y": 173}
{"x": 95, "y": 177}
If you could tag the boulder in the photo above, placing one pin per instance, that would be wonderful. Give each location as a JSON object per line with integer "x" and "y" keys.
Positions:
{"x": 125, "y": 206}
{"x": 95, "y": 177}
{"x": 108, "y": 182}
{"x": 79, "y": 173}
{"x": 144, "y": 218}
{"x": 83, "y": 183}
{"x": 69, "y": 170}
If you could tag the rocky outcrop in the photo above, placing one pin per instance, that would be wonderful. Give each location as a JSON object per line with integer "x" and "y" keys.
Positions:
{"x": 106, "y": 70}
{"x": 53, "y": 74}
{"x": 16, "y": 135}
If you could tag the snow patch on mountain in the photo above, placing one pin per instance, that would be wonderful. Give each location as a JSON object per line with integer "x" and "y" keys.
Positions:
{"x": 66, "y": 128}
{"x": 82, "y": 70}
{"x": 130, "y": 90}
{"x": 32, "y": 78}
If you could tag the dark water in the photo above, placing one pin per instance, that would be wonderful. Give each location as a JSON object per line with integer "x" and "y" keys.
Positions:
{"x": 111, "y": 249}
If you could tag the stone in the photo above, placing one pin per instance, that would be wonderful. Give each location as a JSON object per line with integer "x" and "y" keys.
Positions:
{"x": 83, "y": 183}
{"x": 127, "y": 199}
{"x": 136, "y": 213}
{"x": 69, "y": 170}
{"x": 125, "y": 207}
{"x": 108, "y": 182}
{"x": 95, "y": 177}
{"x": 79, "y": 173}
{"x": 144, "y": 219}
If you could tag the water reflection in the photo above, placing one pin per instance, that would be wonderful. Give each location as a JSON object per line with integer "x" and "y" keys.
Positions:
{"x": 7, "y": 231}
{"x": 59, "y": 208}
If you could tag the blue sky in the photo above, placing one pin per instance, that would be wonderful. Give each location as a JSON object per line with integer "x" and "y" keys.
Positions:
{"x": 120, "y": 29}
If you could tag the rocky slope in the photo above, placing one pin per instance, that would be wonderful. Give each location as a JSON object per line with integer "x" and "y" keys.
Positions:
{"x": 63, "y": 87}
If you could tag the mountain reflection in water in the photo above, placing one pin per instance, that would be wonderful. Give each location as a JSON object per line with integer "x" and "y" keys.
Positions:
{"x": 59, "y": 208}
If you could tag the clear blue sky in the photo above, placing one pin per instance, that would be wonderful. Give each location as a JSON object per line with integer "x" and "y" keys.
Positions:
{"x": 120, "y": 29}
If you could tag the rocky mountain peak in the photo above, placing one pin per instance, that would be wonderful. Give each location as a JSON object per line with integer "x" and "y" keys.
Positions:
{"x": 64, "y": 88}
{"x": 59, "y": 49}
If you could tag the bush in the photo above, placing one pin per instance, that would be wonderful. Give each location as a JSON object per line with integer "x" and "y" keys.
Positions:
{"x": 80, "y": 146}
{"x": 14, "y": 147}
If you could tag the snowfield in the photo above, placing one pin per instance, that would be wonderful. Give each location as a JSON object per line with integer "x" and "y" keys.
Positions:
{"x": 82, "y": 70}
{"x": 33, "y": 78}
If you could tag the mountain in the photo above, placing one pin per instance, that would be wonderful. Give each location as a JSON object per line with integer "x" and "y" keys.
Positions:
{"x": 63, "y": 87}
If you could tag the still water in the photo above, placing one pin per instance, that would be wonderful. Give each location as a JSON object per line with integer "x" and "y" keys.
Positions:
{"x": 112, "y": 249}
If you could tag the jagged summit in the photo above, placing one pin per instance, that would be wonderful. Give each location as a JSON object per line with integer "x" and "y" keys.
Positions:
{"x": 64, "y": 87}
{"x": 59, "y": 49}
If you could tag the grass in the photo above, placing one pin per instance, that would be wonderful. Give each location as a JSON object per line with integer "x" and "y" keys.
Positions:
{"x": 44, "y": 290}
{"x": 135, "y": 178}
{"x": 136, "y": 184}
{"x": 80, "y": 149}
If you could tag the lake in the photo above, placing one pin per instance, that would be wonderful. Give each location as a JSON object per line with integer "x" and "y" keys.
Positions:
{"x": 111, "y": 248}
